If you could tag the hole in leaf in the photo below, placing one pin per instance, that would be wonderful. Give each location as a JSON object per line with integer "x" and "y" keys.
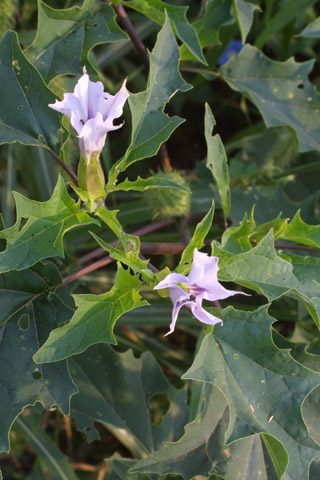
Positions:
{"x": 95, "y": 25}
{"x": 87, "y": 429}
{"x": 301, "y": 86}
{"x": 23, "y": 221}
{"x": 20, "y": 107}
{"x": 158, "y": 407}
{"x": 24, "y": 322}
{"x": 36, "y": 374}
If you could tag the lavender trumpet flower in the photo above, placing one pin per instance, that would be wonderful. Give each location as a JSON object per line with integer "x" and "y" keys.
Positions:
{"x": 92, "y": 112}
{"x": 201, "y": 284}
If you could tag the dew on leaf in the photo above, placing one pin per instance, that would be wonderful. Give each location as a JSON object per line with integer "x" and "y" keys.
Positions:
{"x": 41, "y": 138}
{"x": 16, "y": 65}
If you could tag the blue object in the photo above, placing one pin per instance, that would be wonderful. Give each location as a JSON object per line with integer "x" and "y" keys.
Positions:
{"x": 232, "y": 50}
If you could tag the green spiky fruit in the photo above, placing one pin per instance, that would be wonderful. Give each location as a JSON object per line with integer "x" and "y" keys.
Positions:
{"x": 168, "y": 203}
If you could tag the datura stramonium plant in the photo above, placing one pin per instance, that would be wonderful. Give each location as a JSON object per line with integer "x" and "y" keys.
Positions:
{"x": 201, "y": 284}
{"x": 92, "y": 112}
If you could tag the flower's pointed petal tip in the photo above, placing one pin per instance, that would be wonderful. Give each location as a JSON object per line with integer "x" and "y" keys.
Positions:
{"x": 168, "y": 333}
{"x": 84, "y": 70}
{"x": 203, "y": 316}
{"x": 171, "y": 280}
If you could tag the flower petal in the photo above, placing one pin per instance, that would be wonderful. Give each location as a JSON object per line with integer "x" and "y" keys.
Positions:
{"x": 202, "y": 315}
{"x": 93, "y": 135}
{"x": 171, "y": 280}
{"x": 92, "y": 112}
{"x": 204, "y": 269}
{"x": 179, "y": 298}
{"x": 111, "y": 106}
{"x": 68, "y": 105}
{"x": 220, "y": 293}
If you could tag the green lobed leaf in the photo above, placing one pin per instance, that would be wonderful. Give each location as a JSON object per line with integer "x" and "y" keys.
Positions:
{"x": 142, "y": 184}
{"x": 241, "y": 239}
{"x": 130, "y": 257}
{"x": 217, "y": 13}
{"x": 264, "y": 386}
{"x": 109, "y": 217}
{"x": 65, "y": 37}
{"x": 236, "y": 239}
{"x": 93, "y": 320}
{"x": 150, "y": 125}
{"x": 28, "y": 313}
{"x": 120, "y": 467}
{"x": 156, "y": 10}
{"x": 197, "y": 240}
{"x": 217, "y": 161}
{"x": 115, "y": 389}
{"x": 280, "y": 90}
{"x": 298, "y": 231}
{"x": 52, "y": 460}
{"x": 202, "y": 451}
{"x": 42, "y": 234}
{"x": 259, "y": 268}
{"x": 25, "y": 115}
{"x": 264, "y": 271}
{"x": 312, "y": 30}
{"x": 244, "y": 13}
{"x": 271, "y": 204}
{"x": 307, "y": 272}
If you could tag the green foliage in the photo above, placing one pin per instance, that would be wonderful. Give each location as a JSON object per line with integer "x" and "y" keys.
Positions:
{"x": 109, "y": 382}
{"x": 28, "y": 313}
{"x": 65, "y": 37}
{"x": 312, "y": 30}
{"x": 25, "y": 116}
{"x": 280, "y": 90}
{"x": 160, "y": 180}
{"x": 298, "y": 231}
{"x": 244, "y": 12}
{"x": 157, "y": 9}
{"x": 42, "y": 234}
{"x": 72, "y": 335}
{"x": 93, "y": 320}
{"x": 129, "y": 257}
{"x": 196, "y": 452}
{"x": 150, "y": 125}
{"x": 197, "y": 240}
{"x": 217, "y": 161}
{"x": 263, "y": 385}
{"x": 217, "y": 13}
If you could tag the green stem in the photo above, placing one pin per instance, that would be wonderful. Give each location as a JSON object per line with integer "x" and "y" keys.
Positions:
{"x": 309, "y": 167}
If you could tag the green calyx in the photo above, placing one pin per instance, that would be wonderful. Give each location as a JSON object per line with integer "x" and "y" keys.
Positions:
{"x": 91, "y": 179}
{"x": 168, "y": 202}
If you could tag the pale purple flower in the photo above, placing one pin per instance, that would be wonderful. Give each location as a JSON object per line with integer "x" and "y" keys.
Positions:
{"x": 201, "y": 284}
{"x": 92, "y": 112}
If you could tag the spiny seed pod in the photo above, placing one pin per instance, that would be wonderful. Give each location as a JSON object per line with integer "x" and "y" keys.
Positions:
{"x": 169, "y": 202}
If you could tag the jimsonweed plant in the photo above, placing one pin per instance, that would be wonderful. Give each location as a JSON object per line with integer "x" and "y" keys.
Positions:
{"x": 123, "y": 210}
